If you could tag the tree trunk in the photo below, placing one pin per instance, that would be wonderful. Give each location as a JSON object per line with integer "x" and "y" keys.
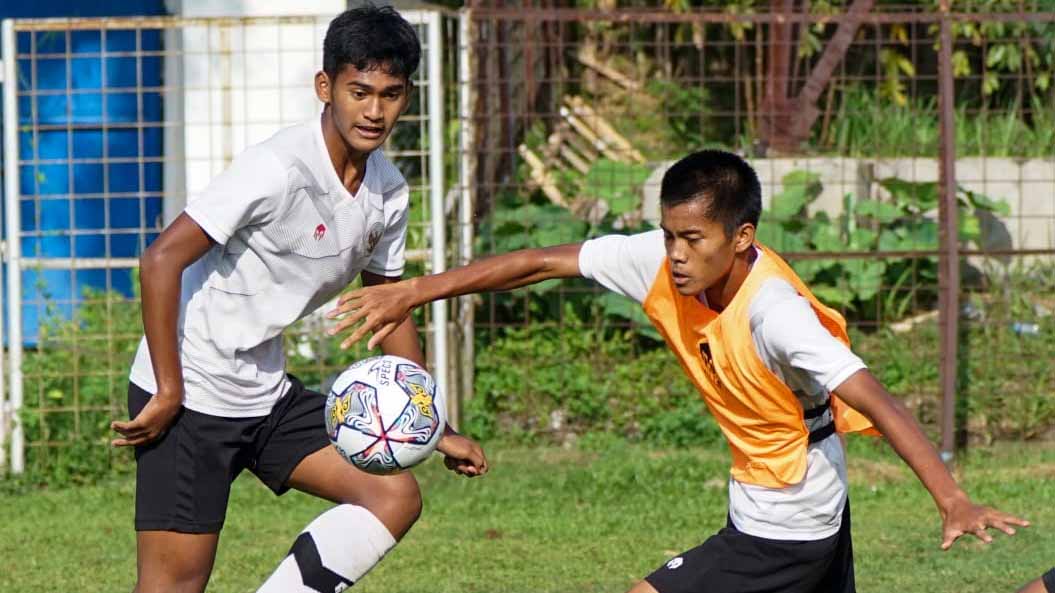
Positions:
{"x": 775, "y": 108}
{"x": 806, "y": 110}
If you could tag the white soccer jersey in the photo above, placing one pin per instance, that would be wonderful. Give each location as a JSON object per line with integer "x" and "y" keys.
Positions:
{"x": 793, "y": 344}
{"x": 289, "y": 238}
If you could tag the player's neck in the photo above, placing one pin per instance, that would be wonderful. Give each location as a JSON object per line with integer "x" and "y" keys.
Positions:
{"x": 720, "y": 294}
{"x": 349, "y": 163}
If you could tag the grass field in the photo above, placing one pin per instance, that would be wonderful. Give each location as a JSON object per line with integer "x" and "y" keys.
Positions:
{"x": 554, "y": 520}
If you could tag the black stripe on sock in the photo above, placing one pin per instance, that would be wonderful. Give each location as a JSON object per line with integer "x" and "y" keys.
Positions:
{"x": 312, "y": 573}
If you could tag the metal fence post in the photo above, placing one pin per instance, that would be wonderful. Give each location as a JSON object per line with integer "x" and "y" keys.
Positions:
{"x": 10, "y": 155}
{"x": 14, "y": 248}
{"x": 438, "y": 249}
{"x": 467, "y": 173}
{"x": 949, "y": 260}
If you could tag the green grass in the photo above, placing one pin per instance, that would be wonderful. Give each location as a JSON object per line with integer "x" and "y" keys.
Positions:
{"x": 553, "y": 520}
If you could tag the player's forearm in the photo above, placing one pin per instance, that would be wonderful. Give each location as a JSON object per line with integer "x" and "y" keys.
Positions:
{"x": 160, "y": 292}
{"x": 404, "y": 341}
{"x": 500, "y": 272}
{"x": 864, "y": 392}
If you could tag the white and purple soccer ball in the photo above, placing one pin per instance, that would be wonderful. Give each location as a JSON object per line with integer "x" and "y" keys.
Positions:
{"x": 385, "y": 414}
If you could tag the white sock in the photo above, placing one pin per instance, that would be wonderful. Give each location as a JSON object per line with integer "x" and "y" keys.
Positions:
{"x": 333, "y": 552}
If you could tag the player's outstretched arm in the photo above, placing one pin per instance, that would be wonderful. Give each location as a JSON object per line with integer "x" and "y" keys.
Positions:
{"x": 462, "y": 455}
{"x": 160, "y": 274}
{"x": 959, "y": 515}
{"x": 382, "y": 308}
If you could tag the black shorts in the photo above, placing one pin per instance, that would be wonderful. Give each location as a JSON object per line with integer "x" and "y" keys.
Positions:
{"x": 1049, "y": 580}
{"x": 733, "y": 562}
{"x": 183, "y": 480}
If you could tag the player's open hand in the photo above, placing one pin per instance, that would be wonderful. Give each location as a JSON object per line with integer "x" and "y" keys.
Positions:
{"x": 966, "y": 518}
{"x": 151, "y": 422}
{"x": 380, "y": 309}
{"x": 462, "y": 455}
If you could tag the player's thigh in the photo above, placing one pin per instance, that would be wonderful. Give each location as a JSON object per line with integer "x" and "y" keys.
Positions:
{"x": 394, "y": 499}
{"x": 172, "y": 562}
{"x": 1036, "y": 586}
{"x": 642, "y": 587}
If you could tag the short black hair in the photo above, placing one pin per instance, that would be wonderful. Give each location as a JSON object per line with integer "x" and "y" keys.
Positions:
{"x": 726, "y": 181}
{"x": 370, "y": 37}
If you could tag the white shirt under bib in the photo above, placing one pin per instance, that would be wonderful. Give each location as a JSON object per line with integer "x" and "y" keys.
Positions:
{"x": 289, "y": 237}
{"x": 794, "y": 345}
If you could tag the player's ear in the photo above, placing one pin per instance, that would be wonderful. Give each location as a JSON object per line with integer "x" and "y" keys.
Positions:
{"x": 323, "y": 87}
{"x": 408, "y": 90}
{"x": 744, "y": 237}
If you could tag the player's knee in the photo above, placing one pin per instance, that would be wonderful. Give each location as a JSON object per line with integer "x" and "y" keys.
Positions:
{"x": 405, "y": 498}
{"x": 398, "y": 504}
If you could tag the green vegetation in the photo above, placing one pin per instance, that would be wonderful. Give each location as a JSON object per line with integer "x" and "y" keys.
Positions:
{"x": 600, "y": 370}
{"x": 913, "y": 129}
{"x": 550, "y": 520}
{"x": 869, "y": 288}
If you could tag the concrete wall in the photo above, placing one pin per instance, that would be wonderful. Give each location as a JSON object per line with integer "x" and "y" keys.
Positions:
{"x": 1028, "y": 186}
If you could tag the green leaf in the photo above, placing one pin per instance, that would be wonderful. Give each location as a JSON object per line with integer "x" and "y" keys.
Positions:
{"x": 894, "y": 240}
{"x": 862, "y": 239}
{"x": 809, "y": 269}
{"x": 833, "y": 296}
{"x": 800, "y": 188}
{"x": 624, "y": 308}
{"x": 1043, "y": 81}
{"x": 826, "y": 237}
{"x": 618, "y": 184}
{"x": 913, "y": 196}
{"x": 774, "y": 235}
{"x": 881, "y": 211}
{"x": 865, "y": 276}
{"x": 984, "y": 202}
{"x": 923, "y": 235}
{"x": 990, "y": 83}
{"x": 970, "y": 227}
{"x": 961, "y": 65}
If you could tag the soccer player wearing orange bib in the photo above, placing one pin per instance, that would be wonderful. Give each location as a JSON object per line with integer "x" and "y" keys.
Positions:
{"x": 772, "y": 363}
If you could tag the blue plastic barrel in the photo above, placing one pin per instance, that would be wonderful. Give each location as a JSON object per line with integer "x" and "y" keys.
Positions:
{"x": 91, "y": 148}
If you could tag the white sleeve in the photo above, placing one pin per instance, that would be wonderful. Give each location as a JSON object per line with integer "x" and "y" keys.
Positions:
{"x": 788, "y": 332}
{"x": 247, "y": 193}
{"x": 624, "y": 264}
{"x": 389, "y": 256}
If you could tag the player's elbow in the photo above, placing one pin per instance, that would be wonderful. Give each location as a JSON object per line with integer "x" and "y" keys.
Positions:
{"x": 150, "y": 260}
{"x": 158, "y": 259}
{"x": 561, "y": 261}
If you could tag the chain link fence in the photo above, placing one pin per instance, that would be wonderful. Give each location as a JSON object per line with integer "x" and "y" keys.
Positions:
{"x": 909, "y": 180}
{"x": 110, "y": 124}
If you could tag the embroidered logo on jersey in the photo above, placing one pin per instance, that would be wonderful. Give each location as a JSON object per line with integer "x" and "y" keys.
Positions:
{"x": 374, "y": 236}
{"x": 320, "y": 231}
{"x": 708, "y": 360}
{"x": 675, "y": 563}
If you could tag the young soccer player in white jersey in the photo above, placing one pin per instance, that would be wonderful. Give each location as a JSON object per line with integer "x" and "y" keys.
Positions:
{"x": 772, "y": 363}
{"x": 286, "y": 227}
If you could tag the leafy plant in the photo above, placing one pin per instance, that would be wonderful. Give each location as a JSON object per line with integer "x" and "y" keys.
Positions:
{"x": 902, "y": 223}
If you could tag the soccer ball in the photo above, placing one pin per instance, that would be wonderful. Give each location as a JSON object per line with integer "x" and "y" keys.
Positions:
{"x": 385, "y": 414}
